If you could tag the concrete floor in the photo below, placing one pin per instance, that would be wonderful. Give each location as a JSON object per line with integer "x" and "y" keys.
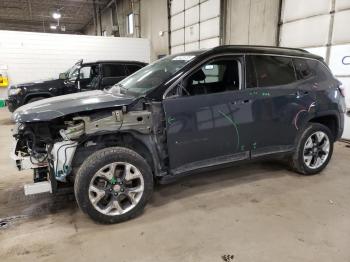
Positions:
{"x": 258, "y": 212}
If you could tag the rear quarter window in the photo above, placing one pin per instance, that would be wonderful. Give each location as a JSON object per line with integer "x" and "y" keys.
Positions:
{"x": 310, "y": 68}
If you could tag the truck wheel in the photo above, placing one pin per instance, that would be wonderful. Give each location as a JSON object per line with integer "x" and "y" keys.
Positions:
{"x": 113, "y": 185}
{"x": 35, "y": 99}
{"x": 314, "y": 150}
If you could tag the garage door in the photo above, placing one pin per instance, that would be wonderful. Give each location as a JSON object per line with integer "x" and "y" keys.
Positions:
{"x": 194, "y": 24}
{"x": 322, "y": 27}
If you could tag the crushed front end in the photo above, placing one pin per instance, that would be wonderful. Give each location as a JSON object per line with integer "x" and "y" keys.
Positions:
{"x": 42, "y": 148}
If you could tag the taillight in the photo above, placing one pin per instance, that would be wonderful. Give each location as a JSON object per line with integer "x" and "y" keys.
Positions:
{"x": 342, "y": 89}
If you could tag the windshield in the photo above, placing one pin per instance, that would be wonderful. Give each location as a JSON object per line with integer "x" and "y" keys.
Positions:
{"x": 72, "y": 73}
{"x": 152, "y": 75}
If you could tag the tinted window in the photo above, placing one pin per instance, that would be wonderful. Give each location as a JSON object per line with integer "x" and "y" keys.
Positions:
{"x": 217, "y": 76}
{"x": 110, "y": 70}
{"x": 264, "y": 71}
{"x": 133, "y": 68}
{"x": 308, "y": 68}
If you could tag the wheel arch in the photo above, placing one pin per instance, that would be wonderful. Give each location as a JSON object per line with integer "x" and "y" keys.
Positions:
{"x": 30, "y": 96}
{"x": 330, "y": 120}
{"x": 141, "y": 144}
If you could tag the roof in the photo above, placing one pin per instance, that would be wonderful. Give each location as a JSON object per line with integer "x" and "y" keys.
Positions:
{"x": 114, "y": 61}
{"x": 254, "y": 49}
{"x": 264, "y": 50}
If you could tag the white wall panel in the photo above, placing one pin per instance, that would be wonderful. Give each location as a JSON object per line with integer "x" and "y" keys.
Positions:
{"x": 341, "y": 27}
{"x": 32, "y": 56}
{"x": 177, "y": 37}
{"x": 320, "y": 51}
{"x": 210, "y": 28}
{"x": 209, "y": 9}
{"x": 192, "y": 33}
{"x": 177, "y": 21}
{"x": 342, "y": 4}
{"x": 177, "y": 6}
{"x": 337, "y": 60}
{"x": 192, "y": 46}
{"x": 346, "y": 133}
{"x": 177, "y": 49}
{"x": 298, "y": 9}
{"x": 192, "y": 15}
{"x": 306, "y": 33}
{"x": 190, "y": 3}
{"x": 209, "y": 43}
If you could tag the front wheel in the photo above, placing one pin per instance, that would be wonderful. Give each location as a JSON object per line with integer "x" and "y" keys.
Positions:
{"x": 314, "y": 150}
{"x": 113, "y": 185}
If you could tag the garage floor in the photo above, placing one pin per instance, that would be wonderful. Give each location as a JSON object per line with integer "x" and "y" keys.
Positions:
{"x": 258, "y": 212}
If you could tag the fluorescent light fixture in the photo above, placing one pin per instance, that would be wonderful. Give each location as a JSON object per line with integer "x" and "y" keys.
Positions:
{"x": 53, "y": 27}
{"x": 56, "y": 15}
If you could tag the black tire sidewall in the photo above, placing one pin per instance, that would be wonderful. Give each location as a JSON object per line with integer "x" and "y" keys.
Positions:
{"x": 309, "y": 130}
{"x": 94, "y": 163}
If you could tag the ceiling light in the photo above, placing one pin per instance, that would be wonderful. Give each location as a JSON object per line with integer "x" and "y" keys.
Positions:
{"x": 56, "y": 15}
{"x": 53, "y": 27}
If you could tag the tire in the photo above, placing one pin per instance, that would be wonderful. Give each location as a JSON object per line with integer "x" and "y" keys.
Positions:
{"x": 35, "y": 99}
{"x": 102, "y": 162}
{"x": 297, "y": 161}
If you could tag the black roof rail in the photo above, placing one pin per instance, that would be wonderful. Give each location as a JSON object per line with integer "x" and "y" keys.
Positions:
{"x": 262, "y": 47}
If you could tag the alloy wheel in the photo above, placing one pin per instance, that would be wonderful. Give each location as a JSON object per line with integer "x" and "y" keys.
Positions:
{"x": 316, "y": 150}
{"x": 116, "y": 188}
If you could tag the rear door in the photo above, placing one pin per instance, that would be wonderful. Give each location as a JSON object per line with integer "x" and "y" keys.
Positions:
{"x": 207, "y": 119}
{"x": 278, "y": 103}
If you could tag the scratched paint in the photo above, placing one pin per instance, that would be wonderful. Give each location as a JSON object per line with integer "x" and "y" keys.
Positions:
{"x": 295, "y": 120}
{"x": 234, "y": 125}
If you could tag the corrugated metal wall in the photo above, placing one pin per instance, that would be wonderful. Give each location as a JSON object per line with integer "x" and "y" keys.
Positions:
{"x": 194, "y": 24}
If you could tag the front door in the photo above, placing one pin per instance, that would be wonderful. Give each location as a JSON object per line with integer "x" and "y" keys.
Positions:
{"x": 208, "y": 117}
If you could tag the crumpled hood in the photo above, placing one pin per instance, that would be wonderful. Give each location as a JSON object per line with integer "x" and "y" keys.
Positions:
{"x": 51, "y": 108}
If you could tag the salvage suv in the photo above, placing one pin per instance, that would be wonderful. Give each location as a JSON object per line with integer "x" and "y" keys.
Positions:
{"x": 80, "y": 77}
{"x": 182, "y": 114}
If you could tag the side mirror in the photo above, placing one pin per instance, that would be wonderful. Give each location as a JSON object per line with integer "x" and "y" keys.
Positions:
{"x": 62, "y": 76}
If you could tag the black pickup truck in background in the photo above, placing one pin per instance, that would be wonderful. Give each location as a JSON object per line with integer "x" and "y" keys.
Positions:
{"x": 80, "y": 77}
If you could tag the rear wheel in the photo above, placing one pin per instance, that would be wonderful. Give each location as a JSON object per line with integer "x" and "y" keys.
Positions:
{"x": 314, "y": 150}
{"x": 113, "y": 185}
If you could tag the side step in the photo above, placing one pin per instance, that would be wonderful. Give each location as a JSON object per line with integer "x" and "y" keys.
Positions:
{"x": 37, "y": 188}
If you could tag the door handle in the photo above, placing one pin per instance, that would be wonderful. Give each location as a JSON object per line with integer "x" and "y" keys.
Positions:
{"x": 241, "y": 102}
{"x": 301, "y": 93}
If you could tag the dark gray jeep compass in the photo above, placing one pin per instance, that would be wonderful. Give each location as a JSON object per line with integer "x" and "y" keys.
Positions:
{"x": 182, "y": 114}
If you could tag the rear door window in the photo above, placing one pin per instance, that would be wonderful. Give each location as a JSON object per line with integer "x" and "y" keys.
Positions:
{"x": 268, "y": 71}
{"x": 113, "y": 70}
{"x": 133, "y": 68}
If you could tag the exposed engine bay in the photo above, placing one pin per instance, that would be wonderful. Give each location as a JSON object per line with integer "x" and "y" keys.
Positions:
{"x": 50, "y": 148}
